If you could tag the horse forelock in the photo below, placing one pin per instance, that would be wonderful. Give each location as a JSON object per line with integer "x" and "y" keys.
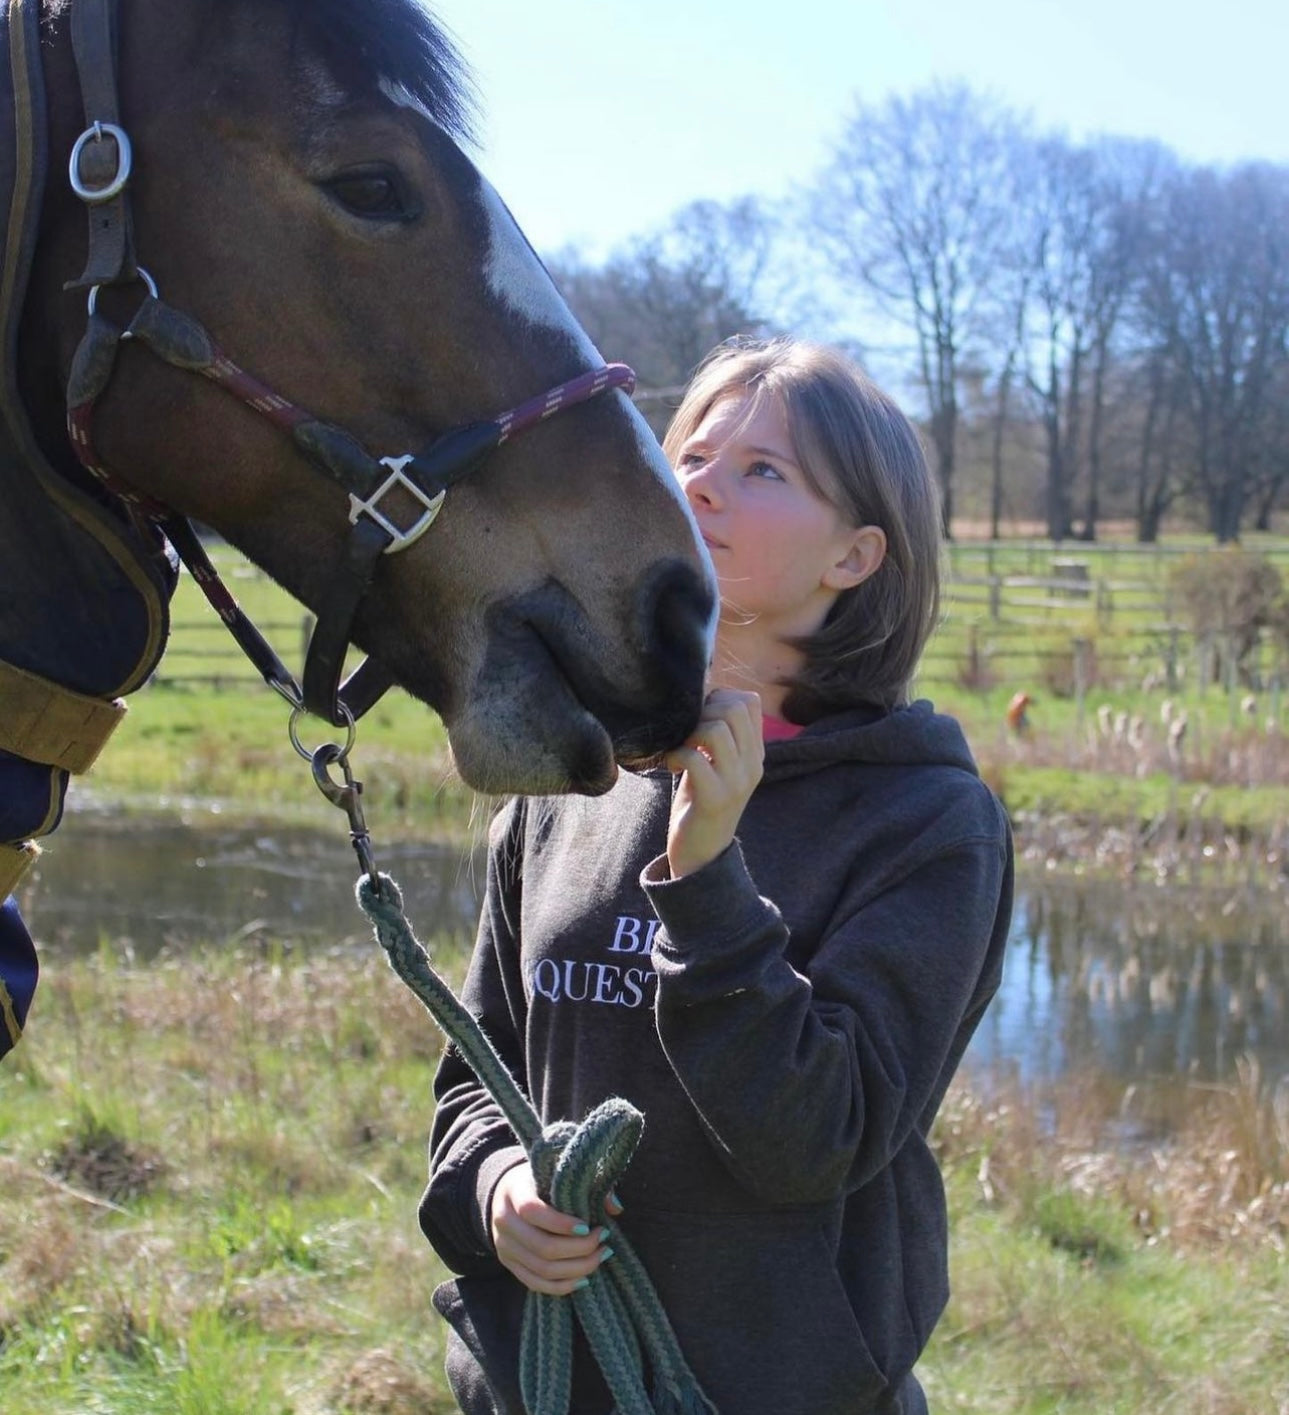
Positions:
{"x": 396, "y": 42}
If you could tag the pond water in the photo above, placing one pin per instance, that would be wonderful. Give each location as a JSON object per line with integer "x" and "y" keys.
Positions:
{"x": 1141, "y": 981}
{"x": 149, "y": 884}
{"x": 1125, "y": 977}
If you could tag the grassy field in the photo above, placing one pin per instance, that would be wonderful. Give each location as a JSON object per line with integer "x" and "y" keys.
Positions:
{"x": 182, "y": 744}
{"x": 1101, "y": 742}
{"x": 209, "y": 1165}
{"x": 209, "y": 1169}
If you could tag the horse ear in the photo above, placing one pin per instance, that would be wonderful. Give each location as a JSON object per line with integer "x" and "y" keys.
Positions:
{"x": 864, "y": 555}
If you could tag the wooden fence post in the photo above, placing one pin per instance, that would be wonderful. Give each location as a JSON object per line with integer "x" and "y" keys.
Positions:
{"x": 1232, "y": 678}
{"x": 1080, "y": 678}
{"x": 1203, "y": 664}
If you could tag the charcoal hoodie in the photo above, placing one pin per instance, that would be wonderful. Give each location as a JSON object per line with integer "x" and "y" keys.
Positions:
{"x": 788, "y": 1018}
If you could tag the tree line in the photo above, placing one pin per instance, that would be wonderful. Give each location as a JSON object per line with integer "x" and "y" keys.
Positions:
{"x": 1093, "y": 329}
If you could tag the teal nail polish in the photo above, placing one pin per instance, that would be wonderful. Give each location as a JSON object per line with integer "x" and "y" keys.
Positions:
{"x": 605, "y": 1235}
{"x": 581, "y": 1283}
{"x": 580, "y": 1230}
{"x": 606, "y": 1255}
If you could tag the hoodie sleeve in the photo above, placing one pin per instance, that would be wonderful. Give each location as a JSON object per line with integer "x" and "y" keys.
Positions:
{"x": 471, "y": 1143}
{"x": 809, "y": 1083}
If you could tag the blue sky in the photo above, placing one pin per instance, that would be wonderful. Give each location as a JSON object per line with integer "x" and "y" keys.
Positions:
{"x": 602, "y": 117}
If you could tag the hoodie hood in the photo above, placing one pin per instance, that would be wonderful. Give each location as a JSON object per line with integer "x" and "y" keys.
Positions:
{"x": 916, "y": 735}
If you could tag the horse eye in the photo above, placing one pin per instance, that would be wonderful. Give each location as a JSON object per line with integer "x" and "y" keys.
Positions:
{"x": 376, "y": 195}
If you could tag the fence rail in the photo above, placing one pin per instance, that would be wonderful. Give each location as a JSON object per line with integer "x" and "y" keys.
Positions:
{"x": 1022, "y": 613}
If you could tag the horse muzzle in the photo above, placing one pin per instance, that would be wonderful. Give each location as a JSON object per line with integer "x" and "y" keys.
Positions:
{"x": 563, "y": 704}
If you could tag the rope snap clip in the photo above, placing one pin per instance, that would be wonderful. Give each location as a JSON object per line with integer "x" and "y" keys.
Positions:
{"x": 348, "y": 797}
{"x": 346, "y": 794}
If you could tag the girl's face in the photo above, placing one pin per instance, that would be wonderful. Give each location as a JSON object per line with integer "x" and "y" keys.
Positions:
{"x": 782, "y": 553}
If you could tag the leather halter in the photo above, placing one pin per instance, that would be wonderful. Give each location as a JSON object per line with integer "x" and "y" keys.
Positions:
{"x": 99, "y": 173}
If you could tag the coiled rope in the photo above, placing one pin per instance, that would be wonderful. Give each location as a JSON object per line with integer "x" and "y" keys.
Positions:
{"x": 575, "y": 1166}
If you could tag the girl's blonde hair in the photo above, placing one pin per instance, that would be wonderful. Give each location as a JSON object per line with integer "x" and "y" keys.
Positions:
{"x": 861, "y": 454}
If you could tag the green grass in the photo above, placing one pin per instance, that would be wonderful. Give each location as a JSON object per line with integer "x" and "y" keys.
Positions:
{"x": 221, "y": 736}
{"x": 209, "y": 1171}
{"x": 208, "y": 729}
{"x": 209, "y": 1165}
{"x": 1130, "y": 627}
{"x": 1050, "y": 790}
{"x": 1091, "y": 1278}
{"x": 231, "y": 746}
{"x": 1036, "y": 1329}
{"x": 209, "y": 1168}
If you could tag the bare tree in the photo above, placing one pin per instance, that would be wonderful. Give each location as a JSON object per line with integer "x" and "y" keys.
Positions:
{"x": 913, "y": 206}
{"x": 1087, "y": 220}
{"x": 1128, "y": 177}
{"x": 1269, "y": 473}
{"x": 1217, "y": 301}
{"x": 663, "y": 300}
{"x": 1059, "y": 216}
{"x": 1154, "y": 392}
{"x": 1003, "y": 322}
{"x": 1002, "y": 414}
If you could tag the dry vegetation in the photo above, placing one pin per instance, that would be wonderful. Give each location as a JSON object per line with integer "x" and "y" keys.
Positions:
{"x": 209, "y": 1169}
{"x": 1196, "y": 1166}
{"x": 209, "y": 1165}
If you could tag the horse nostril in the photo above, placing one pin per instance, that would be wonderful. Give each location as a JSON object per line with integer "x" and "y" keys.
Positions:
{"x": 677, "y": 636}
{"x": 675, "y": 612}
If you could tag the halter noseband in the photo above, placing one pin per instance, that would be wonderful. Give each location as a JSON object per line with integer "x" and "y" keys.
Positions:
{"x": 100, "y": 177}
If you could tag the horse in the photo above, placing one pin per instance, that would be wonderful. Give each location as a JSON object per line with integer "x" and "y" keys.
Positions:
{"x": 253, "y": 281}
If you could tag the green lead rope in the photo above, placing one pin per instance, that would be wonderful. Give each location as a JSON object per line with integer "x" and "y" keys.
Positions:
{"x": 576, "y": 1167}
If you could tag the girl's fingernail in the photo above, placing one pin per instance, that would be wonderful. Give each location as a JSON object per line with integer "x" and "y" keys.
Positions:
{"x": 606, "y": 1254}
{"x": 615, "y": 1201}
{"x": 580, "y": 1230}
{"x": 605, "y": 1235}
{"x": 581, "y": 1283}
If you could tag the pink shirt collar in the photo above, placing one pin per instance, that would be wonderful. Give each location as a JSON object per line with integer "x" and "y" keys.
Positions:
{"x": 778, "y": 729}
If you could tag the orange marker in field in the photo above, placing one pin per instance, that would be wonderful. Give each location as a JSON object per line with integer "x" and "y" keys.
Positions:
{"x": 1016, "y": 713}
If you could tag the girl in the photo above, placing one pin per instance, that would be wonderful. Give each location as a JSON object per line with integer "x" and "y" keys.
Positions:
{"x": 786, "y": 1004}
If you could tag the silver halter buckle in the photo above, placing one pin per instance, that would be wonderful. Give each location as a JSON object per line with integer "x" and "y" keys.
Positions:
{"x": 400, "y": 539}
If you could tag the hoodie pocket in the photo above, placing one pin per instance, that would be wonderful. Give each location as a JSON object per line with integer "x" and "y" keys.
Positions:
{"x": 484, "y": 1317}
{"x": 760, "y": 1310}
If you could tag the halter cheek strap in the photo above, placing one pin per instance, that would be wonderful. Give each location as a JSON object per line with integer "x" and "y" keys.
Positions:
{"x": 181, "y": 341}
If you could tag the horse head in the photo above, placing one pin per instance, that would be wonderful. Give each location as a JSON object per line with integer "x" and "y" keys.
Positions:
{"x": 300, "y": 189}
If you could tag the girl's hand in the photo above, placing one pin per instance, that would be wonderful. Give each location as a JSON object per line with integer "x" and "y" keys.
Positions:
{"x": 546, "y": 1250}
{"x": 720, "y": 766}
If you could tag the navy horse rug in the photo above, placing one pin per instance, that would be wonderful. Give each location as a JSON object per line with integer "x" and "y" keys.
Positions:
{"x": 84, "y": 591}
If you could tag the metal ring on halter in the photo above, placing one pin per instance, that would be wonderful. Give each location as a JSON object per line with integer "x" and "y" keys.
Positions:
{"x": 96, "y": 132}
{"x": 142, "y": 274}
{"x": 298, "y": 712}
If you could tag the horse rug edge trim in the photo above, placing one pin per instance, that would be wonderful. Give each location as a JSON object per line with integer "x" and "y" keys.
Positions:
{"x": 20, "y": 19}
